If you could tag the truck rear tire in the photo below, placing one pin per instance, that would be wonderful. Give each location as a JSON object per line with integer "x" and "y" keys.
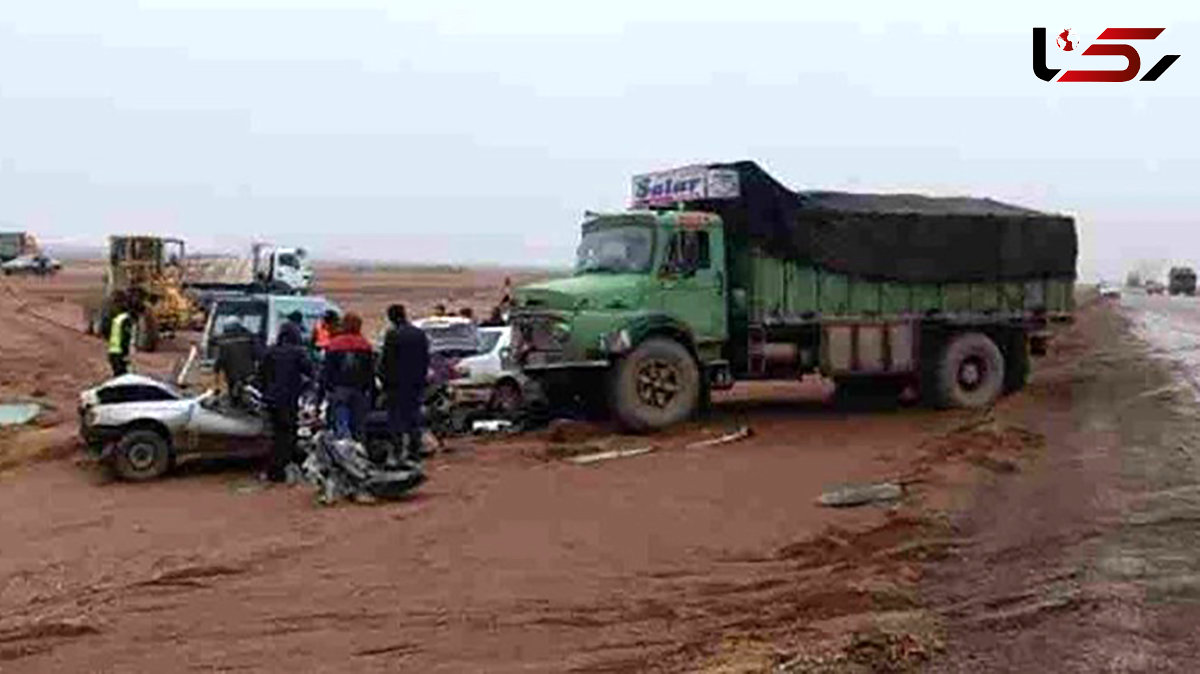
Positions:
{"x": 655, "y": 386}
{"x": 969, "y": 372}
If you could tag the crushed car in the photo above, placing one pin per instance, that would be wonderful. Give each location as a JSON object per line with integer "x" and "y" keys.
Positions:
{"x": 489, "y": 381}
{"x": 141, "y": 427}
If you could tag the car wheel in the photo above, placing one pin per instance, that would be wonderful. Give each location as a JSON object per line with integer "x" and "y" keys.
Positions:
{"x": 141, "y": 455}
{"x": 507, "y": 399}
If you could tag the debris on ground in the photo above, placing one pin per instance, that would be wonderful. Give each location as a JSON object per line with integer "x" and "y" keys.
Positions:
{"x": 585, "y": 459}
{"x": 851, "y": 495}
{"x": 341, "y": 469}
{"x": 740, "y": 434}
{"x": 18, "y": 414}
{"x": 491, "y": 426}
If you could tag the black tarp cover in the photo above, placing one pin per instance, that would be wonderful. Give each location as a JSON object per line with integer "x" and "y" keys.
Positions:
{"x": 902, "y": 237}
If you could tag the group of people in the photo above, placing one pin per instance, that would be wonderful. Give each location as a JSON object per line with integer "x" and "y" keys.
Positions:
{"x": 337, "y": 360}
{"x": 344, "y": 369}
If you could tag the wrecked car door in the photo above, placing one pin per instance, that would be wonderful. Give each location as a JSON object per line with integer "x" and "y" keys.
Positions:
{"x": 216, "y": 427}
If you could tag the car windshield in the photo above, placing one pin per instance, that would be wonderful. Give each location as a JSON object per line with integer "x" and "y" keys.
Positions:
{"x": 487, "y": 340}
{"x": 457, "y": 339}
{"x": 616, "y": 249}
{"x": 251, "y": 316}
{"x": 311, "y": 311}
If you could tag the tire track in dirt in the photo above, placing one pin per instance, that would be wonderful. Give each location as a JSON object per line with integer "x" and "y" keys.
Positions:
{"x": 1071, "y": 561}
{"x": 76, "y": 611}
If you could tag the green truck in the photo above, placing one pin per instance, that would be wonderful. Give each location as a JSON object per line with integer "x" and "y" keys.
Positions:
{"x": 718, "y": 273}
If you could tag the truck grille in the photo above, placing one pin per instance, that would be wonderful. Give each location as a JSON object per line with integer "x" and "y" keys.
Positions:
{"x": 534, "y": 340}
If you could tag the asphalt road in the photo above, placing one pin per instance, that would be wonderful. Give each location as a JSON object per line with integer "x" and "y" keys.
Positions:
{"x": 1170, "y": 327}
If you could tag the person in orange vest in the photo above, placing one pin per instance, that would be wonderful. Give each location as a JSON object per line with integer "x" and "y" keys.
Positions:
{"x": 325, "y": 330}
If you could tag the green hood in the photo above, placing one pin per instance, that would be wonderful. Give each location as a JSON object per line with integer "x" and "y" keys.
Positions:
{"x": 586, "y": 291}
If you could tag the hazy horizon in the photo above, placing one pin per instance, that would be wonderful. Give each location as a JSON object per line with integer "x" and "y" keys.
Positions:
{"x": 468, "y": 132}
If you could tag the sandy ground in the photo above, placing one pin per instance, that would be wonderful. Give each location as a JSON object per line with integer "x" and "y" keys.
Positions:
{"x": 1018, "y": 539}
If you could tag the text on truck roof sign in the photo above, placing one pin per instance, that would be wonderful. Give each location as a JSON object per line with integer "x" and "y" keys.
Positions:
{"x": 690, "y": 183}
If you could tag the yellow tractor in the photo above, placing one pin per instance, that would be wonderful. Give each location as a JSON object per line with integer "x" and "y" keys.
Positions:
{"x": 149, "y": 272}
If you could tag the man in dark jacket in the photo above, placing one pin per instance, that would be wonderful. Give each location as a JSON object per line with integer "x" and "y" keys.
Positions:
{"x": 285, "y": 370}
{"x": 347, "y": 378}
{"x": 403, "y": 365}
{"x": 239, "y": 352}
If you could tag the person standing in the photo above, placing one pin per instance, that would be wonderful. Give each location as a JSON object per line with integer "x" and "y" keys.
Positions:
{"x": 120, "y": 336}
{"x": 403, "y": 365}
{"x": 239, "y": 352}
{"x": 325, "y": 330}
{"x": 495, "y": 320}
{"x": 347, "y": 377}
{"x": 285, "y": 370}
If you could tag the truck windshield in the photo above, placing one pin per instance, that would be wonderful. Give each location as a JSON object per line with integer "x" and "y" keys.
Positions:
{"x": 616, "y": 249}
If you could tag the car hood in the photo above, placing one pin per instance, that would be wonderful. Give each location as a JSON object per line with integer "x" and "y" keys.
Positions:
{"x": 585, "y": 291}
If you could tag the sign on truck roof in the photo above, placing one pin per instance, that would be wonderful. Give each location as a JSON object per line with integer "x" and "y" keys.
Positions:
{"x": 690, "y": 183}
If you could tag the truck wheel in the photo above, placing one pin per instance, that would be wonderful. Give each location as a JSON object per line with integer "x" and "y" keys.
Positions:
{"x": 655, "y": 386}
{"x": 141, "y": 455}
{"x": 507, "y": 399}
{"x": 147, "y": 334}
{"x": 970, "y": 372}
{"x": 1016, "y": 364}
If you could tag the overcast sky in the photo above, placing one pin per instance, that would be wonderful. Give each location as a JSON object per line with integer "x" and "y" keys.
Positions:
{"x": 479, "y": 131}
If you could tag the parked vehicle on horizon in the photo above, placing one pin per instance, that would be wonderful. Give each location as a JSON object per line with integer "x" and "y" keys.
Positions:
{"x": 38, "y": 264}
{"x": 720, "y": 273}
{"x": 1108, "y": 291}
{"x": 1154, "y": 288}
{"x": 269, "y": 269}
{"x": 17, "y": 244}
{"x": 1181, "y": 281}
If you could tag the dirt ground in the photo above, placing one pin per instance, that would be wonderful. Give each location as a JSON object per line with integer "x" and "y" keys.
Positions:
{"x": 1026, "y": 535}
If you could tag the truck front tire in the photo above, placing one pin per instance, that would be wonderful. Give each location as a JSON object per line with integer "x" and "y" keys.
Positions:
{"x": 656, "y": 385}
{"x": 969, "y": 372}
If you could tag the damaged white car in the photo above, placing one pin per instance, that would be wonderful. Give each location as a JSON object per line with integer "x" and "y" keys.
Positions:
{"x": 141, "y": 426}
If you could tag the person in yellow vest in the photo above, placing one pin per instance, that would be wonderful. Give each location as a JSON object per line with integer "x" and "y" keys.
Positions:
{"x": 120, "y": 337}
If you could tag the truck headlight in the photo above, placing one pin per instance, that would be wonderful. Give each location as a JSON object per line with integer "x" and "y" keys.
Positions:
{"x": 615, "y": 342}
{"x": 561, "y": 332}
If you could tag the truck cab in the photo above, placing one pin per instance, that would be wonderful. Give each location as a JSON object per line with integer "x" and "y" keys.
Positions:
{"x": 282, "y": 269}
{"x": 639, "y": 275}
